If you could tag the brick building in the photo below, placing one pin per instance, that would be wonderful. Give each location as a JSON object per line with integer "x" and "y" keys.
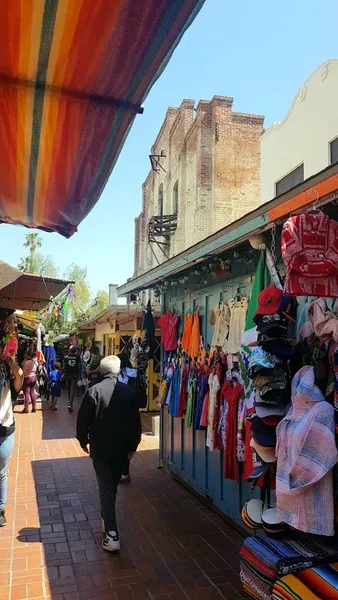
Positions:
{"x": 207, "y": 177}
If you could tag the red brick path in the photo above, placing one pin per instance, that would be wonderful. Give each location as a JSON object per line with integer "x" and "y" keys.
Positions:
{"x": 173, "y": 547}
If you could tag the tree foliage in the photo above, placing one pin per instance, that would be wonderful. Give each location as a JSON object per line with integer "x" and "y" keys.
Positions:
{"x": 82, "y": 306}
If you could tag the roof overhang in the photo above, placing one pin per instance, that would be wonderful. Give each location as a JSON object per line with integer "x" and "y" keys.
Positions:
{"x": 322, "y": 187}
{"x": 73, "y": 75}
{"x": 120, "y": 313}
{"x": 30, "y": 292}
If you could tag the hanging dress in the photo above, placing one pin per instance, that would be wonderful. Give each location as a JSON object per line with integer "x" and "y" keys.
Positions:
{"x": 183, "y": 397}
{"x": 189, "y": 416}
{"x": 186, "y": 337}
{"x": 202, "y": 388}
{"x": 238, "y": 310}
{"x": 176, "y": 385}
{"x": 214, "y": 387}
{"x": 195, "y": 340}
{"x": 231, "y": 394}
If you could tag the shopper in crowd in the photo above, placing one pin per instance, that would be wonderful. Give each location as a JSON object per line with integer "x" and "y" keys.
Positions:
{"x": 72, "y": 372}
{"x": 11, "y": 379}
{"x": 55, "y": 380}
{"x": 93, "y": 369}
{"x": 29, "y": 367}
{"x": 128, "y": 376}
{"x": 109, "y": 421}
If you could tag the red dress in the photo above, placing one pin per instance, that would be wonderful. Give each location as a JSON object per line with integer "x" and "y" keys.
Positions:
{"x": 231, "y": 395}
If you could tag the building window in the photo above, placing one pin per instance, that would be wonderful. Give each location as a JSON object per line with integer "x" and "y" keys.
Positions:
{"x": 160, "y": 200}
{"x": 290, "y": 181}
{"x": 334, "y": 151}
{"x": 175, "y": 198}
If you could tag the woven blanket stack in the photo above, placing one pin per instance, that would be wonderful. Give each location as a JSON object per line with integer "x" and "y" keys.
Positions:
{"x": 268, "y": 568}
{"x": 318, "y": 583}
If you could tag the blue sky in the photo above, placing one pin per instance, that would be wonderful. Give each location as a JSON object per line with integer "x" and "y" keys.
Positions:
{"x": 258, "y": 52}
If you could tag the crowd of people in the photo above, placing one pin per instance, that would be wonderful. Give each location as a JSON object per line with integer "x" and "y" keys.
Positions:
{"x": 108, "y": 423}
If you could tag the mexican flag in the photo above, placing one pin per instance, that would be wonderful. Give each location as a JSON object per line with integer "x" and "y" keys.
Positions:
{"x": 262, "y": 280}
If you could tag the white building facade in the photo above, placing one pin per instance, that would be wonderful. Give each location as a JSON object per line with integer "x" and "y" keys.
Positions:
{"x": 306, "y": 141}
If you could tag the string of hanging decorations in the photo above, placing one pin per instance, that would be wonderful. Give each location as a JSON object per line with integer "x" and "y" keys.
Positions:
{"x": 58, "y": 306}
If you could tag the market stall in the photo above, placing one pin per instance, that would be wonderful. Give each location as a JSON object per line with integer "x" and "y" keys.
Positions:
{"x": 248, "y": 390}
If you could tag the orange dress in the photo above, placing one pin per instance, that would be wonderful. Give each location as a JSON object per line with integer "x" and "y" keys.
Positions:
{"x": 195, "y": 339}
{"x": 187, "y": 331}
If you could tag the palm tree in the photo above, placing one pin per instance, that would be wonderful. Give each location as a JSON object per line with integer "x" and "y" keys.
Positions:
{"x": 32, "y": 241}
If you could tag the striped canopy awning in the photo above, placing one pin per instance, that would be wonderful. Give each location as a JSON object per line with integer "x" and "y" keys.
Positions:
{"x": 73, "y": 75}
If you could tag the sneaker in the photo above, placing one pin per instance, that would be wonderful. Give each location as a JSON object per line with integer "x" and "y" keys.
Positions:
{"x": 125, "y": 479}
{"x": 70, "y": 408}
{"x": 3, "y": 521}
{"x": 111, "y": 544}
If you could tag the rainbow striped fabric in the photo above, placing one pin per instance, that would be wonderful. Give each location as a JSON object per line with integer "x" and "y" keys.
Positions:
{"x": 73, "y": 75}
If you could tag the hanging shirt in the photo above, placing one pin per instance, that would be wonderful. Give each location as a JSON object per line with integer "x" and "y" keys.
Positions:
{"x": 238, "y": 310}
{"x": 220, "y": 319}
{"x": 169, "y": 324}
{"x": 306, "y": 454}
{"x": 310, "y": 252}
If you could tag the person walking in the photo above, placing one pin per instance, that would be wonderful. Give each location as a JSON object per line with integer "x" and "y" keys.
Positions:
{"x": 72, "y": 370}
{"x": 11, "y": 378}
{"x": 29, "y": 367}
{"x": 93, "y": 369}
{"x": 55, "y": 377}
{"x": 109, "y": 422}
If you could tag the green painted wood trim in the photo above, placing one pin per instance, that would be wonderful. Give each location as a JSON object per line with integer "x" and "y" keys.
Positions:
{"x": 225, "y": 239}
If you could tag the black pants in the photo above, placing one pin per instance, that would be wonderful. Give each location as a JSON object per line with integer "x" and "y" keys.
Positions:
{"x": 71, "y": 385}
{"x": 108, "y": 475}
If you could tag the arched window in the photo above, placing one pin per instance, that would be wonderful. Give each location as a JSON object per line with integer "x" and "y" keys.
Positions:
{"x": 175, "y": 198}
{"x": 160, "y": 200}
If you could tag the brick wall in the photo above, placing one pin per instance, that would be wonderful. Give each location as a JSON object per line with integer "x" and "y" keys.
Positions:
{"x": 213, "y": 154}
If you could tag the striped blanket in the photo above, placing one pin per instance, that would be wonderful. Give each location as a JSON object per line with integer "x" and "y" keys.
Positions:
{"x": 290, "y": 555}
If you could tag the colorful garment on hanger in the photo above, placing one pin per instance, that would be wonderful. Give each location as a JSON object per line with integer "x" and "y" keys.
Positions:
{"x": 220, "y": 320}
{"x": 195, "y": 340}
{"x": 304, "y": 484}
{"x": 186, "y": 337}
{"x": 310, "y": 252}
{"x": 221, "y": 442}
{"x": 189, "y": 416}
{"x": 176, "y": 385}
{"x": 238, "y": 310}
{"x": 169, "y": 325}
{"x": 214, "y": 388}
{"x": 240, "y": 430}
{"x": 183, "y": 398}
{"x": 202, "y": 388}
{"x": 231, "y": 392}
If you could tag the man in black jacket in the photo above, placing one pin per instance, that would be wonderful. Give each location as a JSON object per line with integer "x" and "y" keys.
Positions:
{"x": 109, "y": 421}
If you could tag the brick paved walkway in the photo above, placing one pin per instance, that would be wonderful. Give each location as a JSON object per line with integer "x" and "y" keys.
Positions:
{"x": 173, "y": 547}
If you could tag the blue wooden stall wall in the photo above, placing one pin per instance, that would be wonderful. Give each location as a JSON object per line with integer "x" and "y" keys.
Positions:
{"x": 184, "y": 449}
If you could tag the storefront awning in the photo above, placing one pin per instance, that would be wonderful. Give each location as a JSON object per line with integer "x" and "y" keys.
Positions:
{"x": 29, "y": 292}
{"x": 73, "y": 75}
